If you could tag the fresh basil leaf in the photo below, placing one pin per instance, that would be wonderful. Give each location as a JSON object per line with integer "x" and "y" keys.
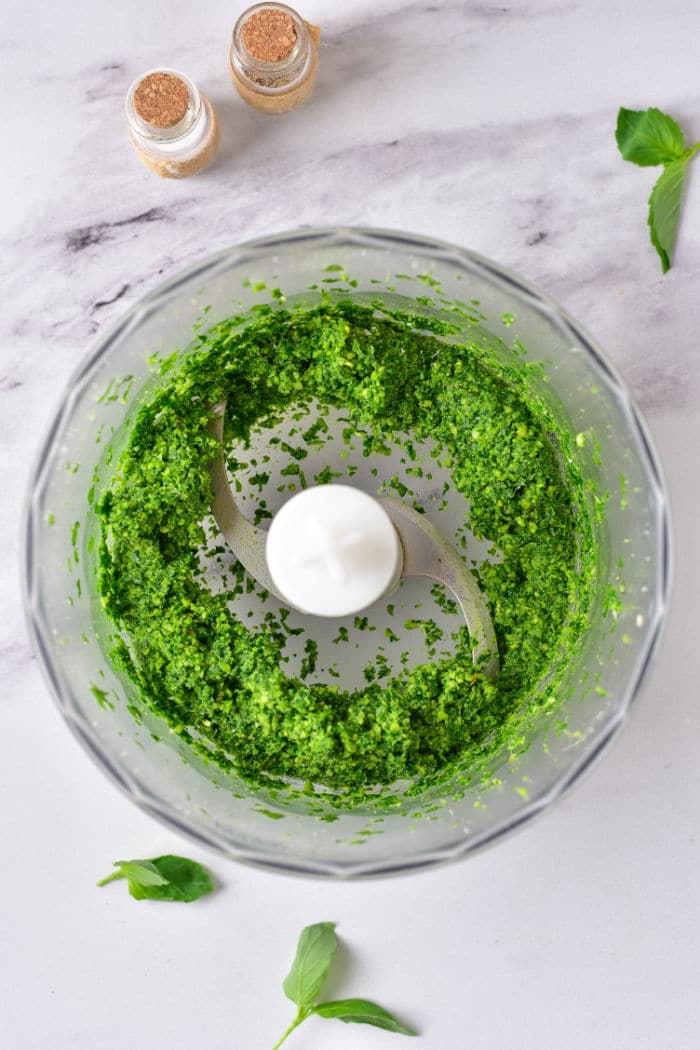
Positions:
{"x": 143, "y": 871}
{"x": 665, "y": 210}
{"x": 362, "y": 1011}
{"x": 315, "y": 952}
{"x": 185, "y": 880}
{"x": 166, "y": 878}
{"x": 648, "y": 137}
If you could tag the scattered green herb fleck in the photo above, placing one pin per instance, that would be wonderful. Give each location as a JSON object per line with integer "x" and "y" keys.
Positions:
{"x": 102, "y": 697}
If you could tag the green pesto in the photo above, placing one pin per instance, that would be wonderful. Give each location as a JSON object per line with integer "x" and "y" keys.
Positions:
{"x": 203, "y": 670}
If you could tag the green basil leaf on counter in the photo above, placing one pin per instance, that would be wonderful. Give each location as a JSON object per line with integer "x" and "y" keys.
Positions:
{"x": 168, "y": 878}
{"x": 315, "y": 951}
{"x": 362, "y": 1011}
{"x": 648, "y": 137}
{"x": 142, "y": 871}
{"x": 665, "y": 211}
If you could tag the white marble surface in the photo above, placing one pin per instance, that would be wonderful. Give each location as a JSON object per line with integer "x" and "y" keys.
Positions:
{"x": 488, "y": 125}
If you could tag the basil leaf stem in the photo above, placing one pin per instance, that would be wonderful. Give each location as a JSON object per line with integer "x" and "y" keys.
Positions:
{"x": 301, "y": 1016}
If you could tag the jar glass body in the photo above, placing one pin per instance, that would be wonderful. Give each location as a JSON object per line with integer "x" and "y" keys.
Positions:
{"x": 273, "y": 79}
{"x": 184, "y": 148}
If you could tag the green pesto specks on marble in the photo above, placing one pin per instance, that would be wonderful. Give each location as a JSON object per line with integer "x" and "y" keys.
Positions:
{"x": 210, "y": 673}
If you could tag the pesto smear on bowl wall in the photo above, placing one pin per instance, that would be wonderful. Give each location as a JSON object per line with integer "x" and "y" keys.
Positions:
{"x": 226, "y": 683}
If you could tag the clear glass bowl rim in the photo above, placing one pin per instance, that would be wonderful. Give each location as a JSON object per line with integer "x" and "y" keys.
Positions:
{"x": 494, "y": 273}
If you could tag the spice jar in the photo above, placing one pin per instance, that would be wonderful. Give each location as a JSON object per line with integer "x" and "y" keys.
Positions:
{"x": 173, "y": 127}
{"x": 274, "y": 57}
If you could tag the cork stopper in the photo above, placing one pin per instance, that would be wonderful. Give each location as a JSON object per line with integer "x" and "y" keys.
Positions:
{"x": 269, "y": 35}
{"x": 161, "y": 100}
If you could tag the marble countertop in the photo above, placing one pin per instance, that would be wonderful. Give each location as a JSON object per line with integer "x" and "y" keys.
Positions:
{"x": 487, "y": 125}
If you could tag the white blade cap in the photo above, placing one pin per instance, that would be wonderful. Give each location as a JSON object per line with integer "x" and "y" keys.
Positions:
{"x": 333, "y": 551}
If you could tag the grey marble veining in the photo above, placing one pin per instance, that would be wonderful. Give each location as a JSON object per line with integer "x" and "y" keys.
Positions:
{"x": 488, "y": 125}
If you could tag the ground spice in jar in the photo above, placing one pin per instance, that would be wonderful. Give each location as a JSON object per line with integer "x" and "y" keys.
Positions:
{"x": 173, "y": 126}
{"x": 274, "y": 57}
{"x": 269, "y": 36}
{"x": 161, "y": 99}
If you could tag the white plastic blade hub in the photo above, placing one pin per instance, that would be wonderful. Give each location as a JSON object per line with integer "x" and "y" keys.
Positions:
{"x": 332, "y": 551}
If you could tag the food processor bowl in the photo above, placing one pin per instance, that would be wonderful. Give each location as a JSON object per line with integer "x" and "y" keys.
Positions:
{"x": 158, "y": 768}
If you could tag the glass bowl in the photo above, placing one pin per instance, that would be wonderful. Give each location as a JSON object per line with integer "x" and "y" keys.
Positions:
{"x": 156, "y": 768}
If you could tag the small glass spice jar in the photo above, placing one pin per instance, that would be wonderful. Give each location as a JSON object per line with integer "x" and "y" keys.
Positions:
{"x": 274, "y": 57}
{"x": 173, "y": 126}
